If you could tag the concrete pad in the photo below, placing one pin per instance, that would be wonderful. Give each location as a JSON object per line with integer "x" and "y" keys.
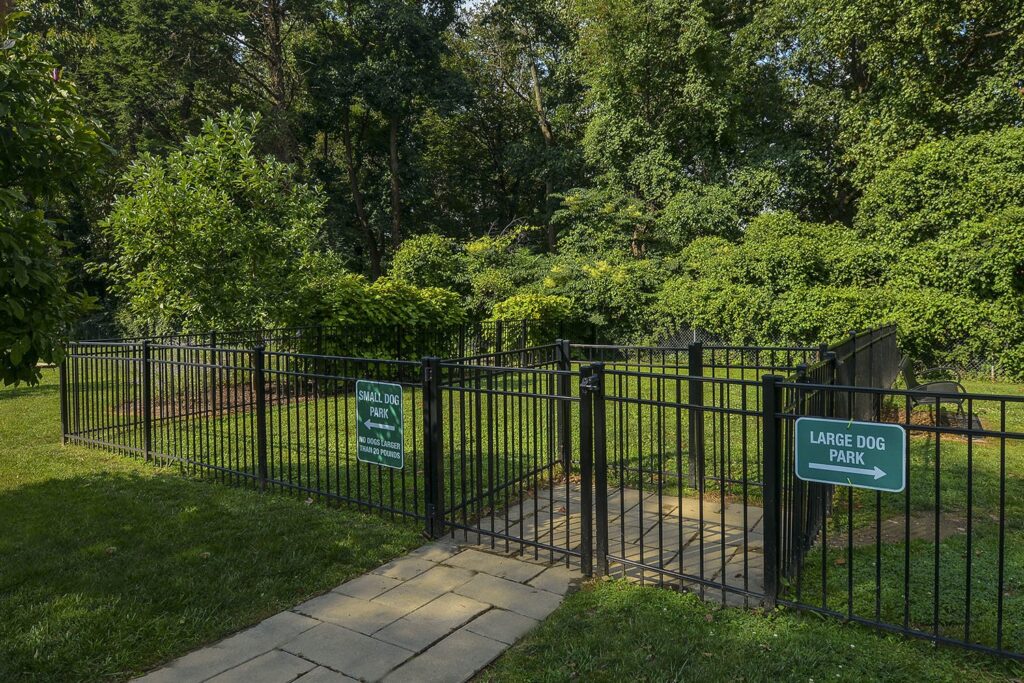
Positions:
{"x": 275, "y": 666}
{"x": 420, "y": 590}
{"x": 322, "y": 674}
{"x": 455, "y": 659}
{"x": 367, "y": 586}
{"x": 524, "y": 600}
{"x": 495, "y": 565}
{"x": 431, "y": 622}
{"x": 501, "y": 625}
{"x": 352, "y": 613}
{"x": 348, "y": 652}
{"x": 230, "y": 652}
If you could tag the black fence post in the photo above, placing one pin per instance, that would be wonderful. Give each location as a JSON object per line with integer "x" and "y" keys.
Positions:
{"x": 771, "y": 390}
{"x": 562, "y": 349}
{"x": 586, "y": 471}
{"x": 499, "y": 334}
{"x": 433, "y": 469}
{"x": 600, "y": 468}
{"x": 64, "y": 430}
{"x": 696, "y": 415}
{"x": 261, "y": 414}
{"x": 147, "y": 402}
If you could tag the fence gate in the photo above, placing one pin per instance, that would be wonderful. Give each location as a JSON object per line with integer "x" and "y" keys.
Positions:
{"x": 506, "y": 446}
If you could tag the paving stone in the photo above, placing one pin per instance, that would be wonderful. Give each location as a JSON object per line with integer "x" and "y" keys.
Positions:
{"x": 525, "y": 600}
{"x": 367, "y": 586}
{"x": 556, "y": 579}
{"x": 420, "y": 590}
{"x": 734, "y": 515}
{"x": 504, "y": 567}
{"x": 275, "y": 666}
{"x": 712, "y": 559}
{"x": 431, "y": 622}
{"x": 691, "y": 508}
{"x": 404, "y": 568}
{"x": 501, "y": 625}
{"x": 453, "y": 660}
{"x": 322, "y": 674}
{"x": 668, "y": 535}
{"x": 352, "y": 613}
{"x": 624, "y": 499}
{"x": 230, "y": 652}
{"x": 439, "y": 551}
{"x": 351, "y": 653}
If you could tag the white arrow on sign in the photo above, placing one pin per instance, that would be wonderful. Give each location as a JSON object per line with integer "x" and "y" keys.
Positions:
{"x": 378, "y": 425}
{"x": 877, "y": 473}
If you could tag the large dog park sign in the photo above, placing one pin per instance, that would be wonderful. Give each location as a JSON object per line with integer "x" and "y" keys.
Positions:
{"x": 867, "y": 455}
{"x": 380, "y": 433}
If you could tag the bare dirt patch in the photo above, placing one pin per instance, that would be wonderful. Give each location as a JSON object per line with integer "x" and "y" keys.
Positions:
{"x": 894, "y": 530}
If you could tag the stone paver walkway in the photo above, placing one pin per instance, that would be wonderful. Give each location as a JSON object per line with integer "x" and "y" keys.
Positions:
{"x": 441, "y": 613}
{"x": 445, "y": 611}
{"x": 646, "y": 534}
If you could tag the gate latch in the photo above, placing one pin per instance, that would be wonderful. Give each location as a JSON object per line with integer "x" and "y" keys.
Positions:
{"x": 591, "y": 383}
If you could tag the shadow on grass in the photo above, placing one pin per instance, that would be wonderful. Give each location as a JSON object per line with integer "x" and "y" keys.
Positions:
{"x": 104, "y": 576}
{"x": 24, "y": 391}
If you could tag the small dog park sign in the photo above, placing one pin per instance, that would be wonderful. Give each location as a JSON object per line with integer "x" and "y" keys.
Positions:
{"x": 380, "y": 432}
{"x": 866, "y": 455}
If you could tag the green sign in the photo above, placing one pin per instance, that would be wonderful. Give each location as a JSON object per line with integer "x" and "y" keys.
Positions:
{"x": 380, "y": 432}
{"x": 866, "y": 455}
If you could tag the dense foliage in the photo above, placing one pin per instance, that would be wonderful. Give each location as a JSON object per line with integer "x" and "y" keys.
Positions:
{"x": 46, "y": 143}
{"x": 213, "y": 236}
{"x": 778, "y": 170}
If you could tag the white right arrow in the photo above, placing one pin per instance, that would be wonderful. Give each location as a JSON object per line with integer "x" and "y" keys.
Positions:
{"x": 877, "y": 472}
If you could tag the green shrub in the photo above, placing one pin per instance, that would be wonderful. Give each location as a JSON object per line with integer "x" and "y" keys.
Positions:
{"x": 936, "y": 187}
{"x": 378, "y": 319}
{"x": 432, "y": 261}
{"x": 551, "y": 312}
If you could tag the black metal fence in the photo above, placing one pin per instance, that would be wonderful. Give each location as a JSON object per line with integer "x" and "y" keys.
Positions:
{"x": 672, "y": 466}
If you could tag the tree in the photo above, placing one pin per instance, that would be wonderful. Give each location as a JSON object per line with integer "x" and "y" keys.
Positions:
{"x": 45, "y": 143}
{"x": 871, "y": 79}
{"x": 526, "y": 45}
{"x": 375, "y": 70}
{"x": 213, "y": 236}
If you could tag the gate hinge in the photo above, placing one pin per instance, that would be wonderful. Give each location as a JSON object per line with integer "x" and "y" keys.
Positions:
{"x": 591, "y": 383}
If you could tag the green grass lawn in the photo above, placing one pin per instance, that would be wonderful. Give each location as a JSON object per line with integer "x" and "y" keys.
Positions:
{"x": 109, "y": 566}
{"x": 616, "y": 631}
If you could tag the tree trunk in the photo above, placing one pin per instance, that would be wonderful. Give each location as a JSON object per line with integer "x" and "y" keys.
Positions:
{"x": 549, "y": 143}
{"x": 372, "y": 248}
{"x": 273, "y": 20}
{"x": 396, "y": 191}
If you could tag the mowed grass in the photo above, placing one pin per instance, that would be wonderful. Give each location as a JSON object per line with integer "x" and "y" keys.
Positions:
{"x": 617, "y": 631}
{"x": 109, "y": 566}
